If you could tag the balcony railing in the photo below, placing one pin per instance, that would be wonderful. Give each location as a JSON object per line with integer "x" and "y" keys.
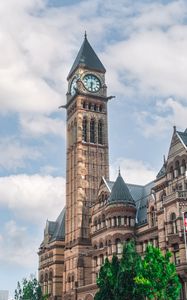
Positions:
{"x": 176, "y": 195}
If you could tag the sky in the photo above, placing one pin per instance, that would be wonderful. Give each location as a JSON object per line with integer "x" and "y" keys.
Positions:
{"x": 143, "y": 46}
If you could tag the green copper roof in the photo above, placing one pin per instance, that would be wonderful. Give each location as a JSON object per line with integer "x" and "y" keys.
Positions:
{"x": 183, "y": 136}
{"x": 162, "y": 172}
{"x": 59, "y": 229}
{"x": 120, "y": 192}
{"x": 87, "y": 58}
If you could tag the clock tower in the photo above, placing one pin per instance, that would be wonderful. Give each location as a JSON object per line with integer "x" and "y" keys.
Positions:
{"x": 87, "y": 161}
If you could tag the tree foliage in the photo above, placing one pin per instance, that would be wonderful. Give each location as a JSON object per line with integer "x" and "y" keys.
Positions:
{"x": 158, "y": 278}
{"x": 107, "y": 279}
{"x": 136, "y": 278}
{"x": 29, "y": 290}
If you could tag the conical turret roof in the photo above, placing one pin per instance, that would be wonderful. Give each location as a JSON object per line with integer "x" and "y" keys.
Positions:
{"x": 120, "y": 192}
{"x": 87, "y": 58}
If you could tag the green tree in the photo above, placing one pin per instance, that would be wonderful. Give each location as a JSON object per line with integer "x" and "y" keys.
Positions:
{"x": 29, "y": 290}
{"x": 107, "y": 280}
{"x": 136, "y": 278}
{"x": 116, "y": 278}
{"x": 130, "y": 267}
{"x": 158, "y": 278}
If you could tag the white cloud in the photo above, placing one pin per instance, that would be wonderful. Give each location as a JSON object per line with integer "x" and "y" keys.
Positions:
{"x": 13, "y": 154}
{"x": 151, "y": 58}
{"x": 48, "y": 170}
{"x": 33, "y": 198}
{"x": 160, "y": 15}
{"x": 39, "y": 44}
{"x": 38, "y": 125}
{"x": 132, "y": 171}
{"x": 16, "y": 241}
{"x": 168, "y": 113}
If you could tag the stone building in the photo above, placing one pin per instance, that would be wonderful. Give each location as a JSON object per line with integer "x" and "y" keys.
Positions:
{"x": 100, "y": 215}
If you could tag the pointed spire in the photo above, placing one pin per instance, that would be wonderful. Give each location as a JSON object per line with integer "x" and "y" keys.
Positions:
{"x": 87, "y": 59}
{"x": 120, "y": 192}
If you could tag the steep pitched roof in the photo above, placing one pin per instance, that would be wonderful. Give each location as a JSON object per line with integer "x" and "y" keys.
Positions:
{"x": 59, "y": 230}
{"x": 120, "y": 192}
{"x": 162, "y": 172}
{"x": 87, "y": 58}
{"x": 183, "y": 136}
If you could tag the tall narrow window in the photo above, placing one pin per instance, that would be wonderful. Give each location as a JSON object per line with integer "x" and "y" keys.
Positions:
{"x": 119, "y": 246}
{"x": 84, "y": 130}
{"x": 92, "y": 131}
{"x": 100, "y": 132}
{"x": 152, "y": 216}
{"x": 173, "y": 223}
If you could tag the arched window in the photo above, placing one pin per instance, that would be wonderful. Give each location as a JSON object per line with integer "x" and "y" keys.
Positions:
{"x": 84, "y": 104}
{"x": 100, "y": 132}
{"x": 109, "y": 247}
{"x": 119, "y": 247}
{"x": 171, "y": 172}
{"x": 173, "y": 223}
{"x": 99, "y": 223}
{"x": 92, "y": 131}
{"x": 95, "y": 261}
{"x": 50, "y": 275}
{"x": 101, "y": 259}
{"x": 177, "y": 169}
{"x": 84, "y": 130}
{"x": 183, "y": 167}
{"x": 176, "y": 253}
{"x": 46, "y": 277}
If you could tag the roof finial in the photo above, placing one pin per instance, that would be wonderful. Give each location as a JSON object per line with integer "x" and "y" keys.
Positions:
{"x": 85, "y": 35}
{"x": 174, "y": 128}
{"x": 119, "y": 173}
{"x": 164, "y": 159}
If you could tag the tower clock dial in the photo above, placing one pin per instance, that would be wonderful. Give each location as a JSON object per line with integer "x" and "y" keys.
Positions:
{"x": 91, "y": 83}
{"x": 73, "y": 86}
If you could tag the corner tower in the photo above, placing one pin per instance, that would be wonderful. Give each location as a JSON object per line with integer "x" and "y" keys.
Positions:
{"x": 87, "y": 155}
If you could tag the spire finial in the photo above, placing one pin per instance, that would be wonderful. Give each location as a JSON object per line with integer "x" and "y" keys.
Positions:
{"x": 174, "y": 128}
{"x": 164, "y": 159}
{"x": 119, "y": 173}
{"x": 85, "y": 35}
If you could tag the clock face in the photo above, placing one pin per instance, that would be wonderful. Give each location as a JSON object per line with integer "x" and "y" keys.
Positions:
{"x": 73, "y": 86}
{"x": 91, "y": 83}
